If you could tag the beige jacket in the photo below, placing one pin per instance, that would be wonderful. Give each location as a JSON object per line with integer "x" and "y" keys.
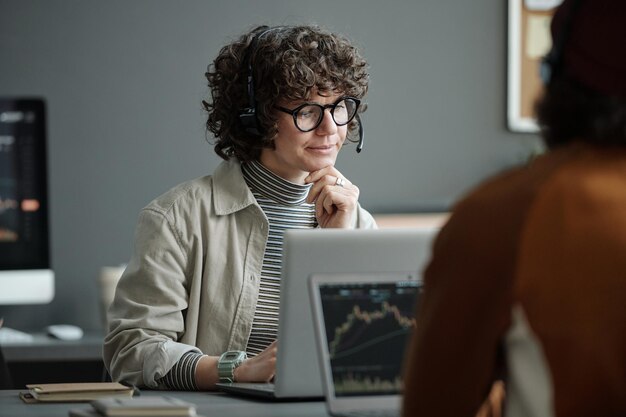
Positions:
{"x": 193, "y": 279}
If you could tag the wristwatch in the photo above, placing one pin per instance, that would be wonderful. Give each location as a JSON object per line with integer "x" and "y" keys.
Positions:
{"x": 227, "y": 363}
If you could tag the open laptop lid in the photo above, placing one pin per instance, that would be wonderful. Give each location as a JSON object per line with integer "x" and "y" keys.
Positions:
{"x": 363, "y": 323}
{"x": 308, "y": 252}
{"x": 318, "y": 251}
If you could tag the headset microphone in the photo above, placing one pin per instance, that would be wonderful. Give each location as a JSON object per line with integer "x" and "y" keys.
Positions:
{"x": 359, "y": 146}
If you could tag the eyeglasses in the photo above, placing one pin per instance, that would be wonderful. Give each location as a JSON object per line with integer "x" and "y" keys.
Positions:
{"x": 309, "y": 116}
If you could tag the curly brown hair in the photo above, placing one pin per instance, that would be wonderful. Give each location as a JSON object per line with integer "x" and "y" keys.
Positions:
{"x": 288, "y": 62}
{"x": 570, "y": 111}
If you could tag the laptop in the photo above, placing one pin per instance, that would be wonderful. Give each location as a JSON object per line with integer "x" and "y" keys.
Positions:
{"x": 363, "y": 323}
{"x": 308, "y": 252}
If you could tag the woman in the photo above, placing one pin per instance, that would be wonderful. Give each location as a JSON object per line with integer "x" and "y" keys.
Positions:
{"x": 526, "y": 285}
{"x": 198, "y": 302}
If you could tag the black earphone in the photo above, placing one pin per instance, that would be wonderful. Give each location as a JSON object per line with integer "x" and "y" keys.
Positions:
{"x": 552, "y": 63}
{"x": 247, "y": 115}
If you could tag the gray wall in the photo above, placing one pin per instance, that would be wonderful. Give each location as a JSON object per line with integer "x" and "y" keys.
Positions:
{"x": 124, "y": 79}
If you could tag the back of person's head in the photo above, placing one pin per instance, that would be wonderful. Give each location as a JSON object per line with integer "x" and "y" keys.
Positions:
{"x": 585, "y": 97}
{"x": 286, "y": 63}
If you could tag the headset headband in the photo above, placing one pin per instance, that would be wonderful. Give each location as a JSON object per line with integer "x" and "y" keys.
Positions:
{"x": 247, "y": 115}
{"x": 552, "y": 63}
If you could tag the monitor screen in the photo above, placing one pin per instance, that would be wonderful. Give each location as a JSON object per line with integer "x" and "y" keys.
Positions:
{"x": 368, "y": 326}
{"x": 25, "y": 272}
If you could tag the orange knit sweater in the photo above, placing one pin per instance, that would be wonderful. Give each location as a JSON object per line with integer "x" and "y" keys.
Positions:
{"x": 548, "y": 239}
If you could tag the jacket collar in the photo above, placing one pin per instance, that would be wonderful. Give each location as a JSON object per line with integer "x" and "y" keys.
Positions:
{"x": 231, "y": 193}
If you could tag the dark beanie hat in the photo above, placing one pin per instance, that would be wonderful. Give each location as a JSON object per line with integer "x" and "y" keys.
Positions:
{"x": 594, "y": 48}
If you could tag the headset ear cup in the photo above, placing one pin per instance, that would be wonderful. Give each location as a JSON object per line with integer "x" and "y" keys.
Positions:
{"x": 249, "y": 121}
{"x": 546, "y": 69}
{"x": 247, "y": 115}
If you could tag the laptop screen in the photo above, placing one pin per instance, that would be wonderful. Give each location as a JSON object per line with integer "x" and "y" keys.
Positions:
{"x": 368, "y": 326}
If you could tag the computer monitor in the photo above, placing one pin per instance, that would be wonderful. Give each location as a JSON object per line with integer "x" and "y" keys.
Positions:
{"x": 26, "y": 276}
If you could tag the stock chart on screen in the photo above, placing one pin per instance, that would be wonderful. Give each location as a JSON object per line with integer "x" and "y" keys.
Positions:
{"x": 367, "y": 328}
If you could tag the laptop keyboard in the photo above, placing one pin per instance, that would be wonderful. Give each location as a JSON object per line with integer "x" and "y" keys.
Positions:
{"x": 371, "y": 413}
{"x": 248, "y": 386}
{"x": 269, "y": 387}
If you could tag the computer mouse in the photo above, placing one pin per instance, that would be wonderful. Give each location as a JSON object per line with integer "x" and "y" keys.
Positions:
{"x": 64, "y": 331}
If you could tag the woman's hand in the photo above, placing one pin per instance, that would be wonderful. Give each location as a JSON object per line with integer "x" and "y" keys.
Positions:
{"x": 494, "y": 404}
{"x": 334, "y": 196}
{"x": 260, "y": 368}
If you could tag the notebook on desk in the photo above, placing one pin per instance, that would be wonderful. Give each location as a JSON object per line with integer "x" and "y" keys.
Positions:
{"x": 74, "y": 392}
{"x": 308, "y": 252}
{"x": 362, "y": 327}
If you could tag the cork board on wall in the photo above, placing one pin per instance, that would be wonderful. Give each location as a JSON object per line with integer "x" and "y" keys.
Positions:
{"x": 529, "y": 40}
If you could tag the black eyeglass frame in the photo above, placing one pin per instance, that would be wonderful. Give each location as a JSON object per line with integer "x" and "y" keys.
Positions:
{"x": 332, "y": 107}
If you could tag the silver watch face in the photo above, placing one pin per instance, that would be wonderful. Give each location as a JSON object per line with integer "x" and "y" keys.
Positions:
{"x": 231, "y": 356}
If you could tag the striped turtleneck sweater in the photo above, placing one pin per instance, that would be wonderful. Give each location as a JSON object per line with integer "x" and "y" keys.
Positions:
{"x": 284, "y": 205}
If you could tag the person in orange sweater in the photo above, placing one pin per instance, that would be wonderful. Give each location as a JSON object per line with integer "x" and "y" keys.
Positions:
{"x": 527, "y": 282}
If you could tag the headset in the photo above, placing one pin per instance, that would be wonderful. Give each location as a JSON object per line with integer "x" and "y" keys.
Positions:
{"x": 552, "y": 63}
{"x": 247, "y": 115}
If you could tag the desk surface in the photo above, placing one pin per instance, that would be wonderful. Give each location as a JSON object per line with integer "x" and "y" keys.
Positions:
{"x": 45, "y": 348}
{"x": 208, "y": 404}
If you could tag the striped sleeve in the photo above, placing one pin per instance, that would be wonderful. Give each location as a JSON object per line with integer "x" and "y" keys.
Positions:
{"x": 182, "y": 376}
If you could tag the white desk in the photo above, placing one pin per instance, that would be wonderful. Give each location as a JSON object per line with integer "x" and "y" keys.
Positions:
{"x": 46, "y": 360}
{"x": 45, "y": 348}
{"x": 408, "y": 220}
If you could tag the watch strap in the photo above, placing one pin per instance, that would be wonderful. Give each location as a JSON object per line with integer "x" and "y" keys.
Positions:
{"x": 227, "y": 363}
